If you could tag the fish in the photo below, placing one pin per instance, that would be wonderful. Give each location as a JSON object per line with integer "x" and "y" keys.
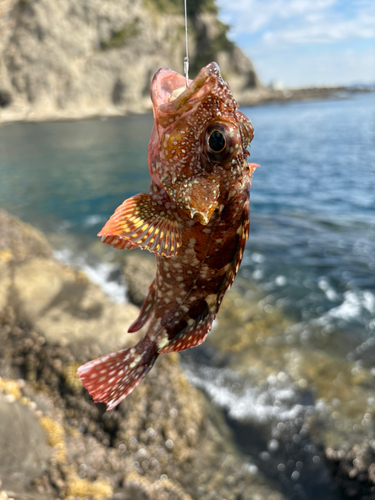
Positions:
{"x": 195, "y": 220}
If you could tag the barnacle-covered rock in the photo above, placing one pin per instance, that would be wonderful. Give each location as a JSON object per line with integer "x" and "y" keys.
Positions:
{"x": 24, "y": 451}
{"x": 166, "y": 442}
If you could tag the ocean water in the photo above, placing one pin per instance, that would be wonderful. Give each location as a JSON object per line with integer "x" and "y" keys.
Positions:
{"x": 311, "y": 253}
{"x": 313, "y": 213}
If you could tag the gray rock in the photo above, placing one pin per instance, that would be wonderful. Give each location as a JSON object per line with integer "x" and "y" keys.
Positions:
{"x": 24, "y": 453}
{"x": 5, "y": 282}
{"x": 353, "y": 467}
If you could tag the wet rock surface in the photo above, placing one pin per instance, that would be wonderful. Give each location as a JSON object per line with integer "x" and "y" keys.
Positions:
{"x": 165, "y": 441}
{"x": 300, "y": 417}
{"x": 353, "y": 467}
{"x": 304, "y": 415}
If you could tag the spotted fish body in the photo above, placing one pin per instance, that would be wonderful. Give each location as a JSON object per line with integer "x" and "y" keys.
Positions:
{"x": 195, "y": 219}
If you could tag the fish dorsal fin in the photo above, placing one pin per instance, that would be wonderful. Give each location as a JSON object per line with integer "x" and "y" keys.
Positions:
{"x": 141, "y": 222}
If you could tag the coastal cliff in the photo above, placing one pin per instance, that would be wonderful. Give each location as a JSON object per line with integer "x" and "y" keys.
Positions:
{"x": 67, "y": 59}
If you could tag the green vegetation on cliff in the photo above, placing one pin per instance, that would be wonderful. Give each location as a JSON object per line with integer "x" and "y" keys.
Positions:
{"x": 120, "y": 37}
{"x": 194, "y": 7}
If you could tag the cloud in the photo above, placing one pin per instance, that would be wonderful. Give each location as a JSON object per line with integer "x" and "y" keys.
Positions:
{"x": 251, "y": 16}
{"x": 293, "y": 32}
{"x": 301, "y": 20}
{"x": 329, "y": 28}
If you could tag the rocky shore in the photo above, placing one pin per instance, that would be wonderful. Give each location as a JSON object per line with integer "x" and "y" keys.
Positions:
{"x": 320, "y": 427}
{"x": 167, "y": 440}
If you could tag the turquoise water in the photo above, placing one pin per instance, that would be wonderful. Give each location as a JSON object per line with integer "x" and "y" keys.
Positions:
{"x": 311, "y": 252}
{"x": 312, "y": 244}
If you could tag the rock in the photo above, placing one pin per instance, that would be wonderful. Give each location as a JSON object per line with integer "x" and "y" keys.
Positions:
{"x": 5, "y": 282}
{"x": 156, "y": 444}
{"x": 139, "y": 272}
{"x": 354, "y": 469}
{"x": 210, "y": 43}
{"x": 67, "y": 308}
{"x": 24, "y": 453}
{"x": 322, "y": 402}
{"x": 20, "y": 241}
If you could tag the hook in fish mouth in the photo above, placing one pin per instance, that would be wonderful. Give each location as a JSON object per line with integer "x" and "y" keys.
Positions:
{"x": 169, "y": 92}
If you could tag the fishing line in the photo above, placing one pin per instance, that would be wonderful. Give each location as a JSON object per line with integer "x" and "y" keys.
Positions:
{"x": 186, "y": 58}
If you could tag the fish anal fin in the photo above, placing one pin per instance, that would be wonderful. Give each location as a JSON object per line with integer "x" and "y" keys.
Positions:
{"x": 109, "y": 379}
{"x": 190, "y": 336}
{"x": 192, "y": 330}
{"x": 146, "y": 310}
{"x": 141, "y": 222}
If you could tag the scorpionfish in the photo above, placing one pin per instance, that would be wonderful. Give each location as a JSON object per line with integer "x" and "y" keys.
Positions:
{"x": 195, "y": 219}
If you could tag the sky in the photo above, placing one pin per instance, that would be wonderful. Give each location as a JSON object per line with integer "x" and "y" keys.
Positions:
{"x": 302, "y": 43}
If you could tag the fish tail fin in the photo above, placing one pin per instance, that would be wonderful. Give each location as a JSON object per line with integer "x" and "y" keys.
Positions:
{"x": 110, "y": 378}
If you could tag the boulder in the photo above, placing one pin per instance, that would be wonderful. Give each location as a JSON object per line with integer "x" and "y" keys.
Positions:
{"x": 24, "y": 452}
{"x": 65, "y": 307}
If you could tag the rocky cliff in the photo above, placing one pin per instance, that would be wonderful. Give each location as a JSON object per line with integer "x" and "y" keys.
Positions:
{"x": 67, "y": 59}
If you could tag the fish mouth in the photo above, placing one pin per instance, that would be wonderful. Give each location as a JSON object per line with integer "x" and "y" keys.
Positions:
{"x": 169, "y": 93}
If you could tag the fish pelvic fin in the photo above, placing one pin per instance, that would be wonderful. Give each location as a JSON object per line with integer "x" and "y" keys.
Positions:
{"x": 142, "y": 222}
{"x": 146, "y": 310}
{"x": 109, "y": 379}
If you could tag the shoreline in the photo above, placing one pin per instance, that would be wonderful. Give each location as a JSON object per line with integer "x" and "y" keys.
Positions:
{"x": 309, "y": 94}
{"x": 252, "y": 99}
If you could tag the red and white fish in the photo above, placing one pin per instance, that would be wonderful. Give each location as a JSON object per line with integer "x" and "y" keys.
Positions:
{"x": 195, "y": 219}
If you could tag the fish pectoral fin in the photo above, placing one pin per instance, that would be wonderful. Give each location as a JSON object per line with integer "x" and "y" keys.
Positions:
{"x": 146, "y": 310}
{"x": 200, "y": 198}
{"x": 141, "y": 222}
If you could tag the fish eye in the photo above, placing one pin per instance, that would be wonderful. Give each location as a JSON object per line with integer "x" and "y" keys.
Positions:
{"x": 216, "y": 141}
{"x": 221, "y": 141}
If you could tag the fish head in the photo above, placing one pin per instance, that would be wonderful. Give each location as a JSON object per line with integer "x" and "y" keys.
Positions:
{"x": 198, "y": 146}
